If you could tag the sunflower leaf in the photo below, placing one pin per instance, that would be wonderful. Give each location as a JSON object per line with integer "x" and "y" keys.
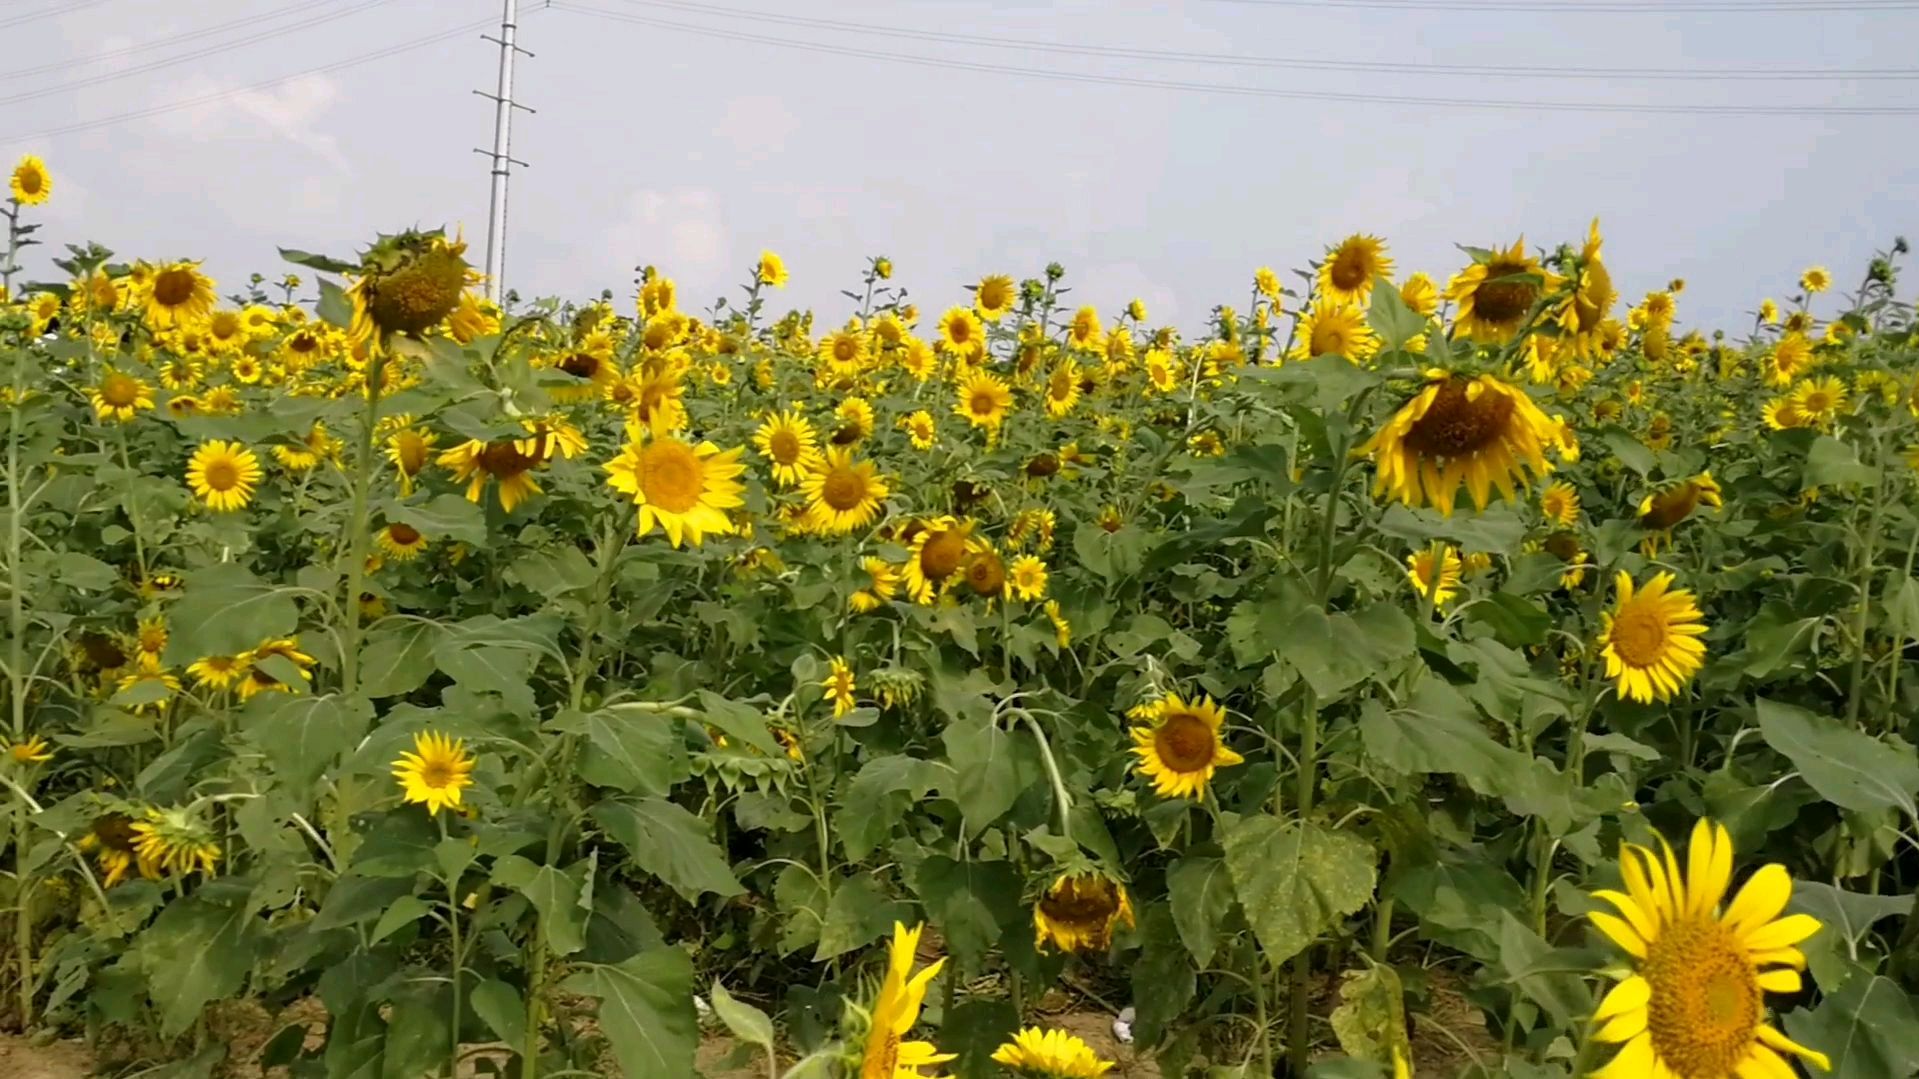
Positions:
{"x": 1849, "y": 768}
{"x": 1295, "y": 879}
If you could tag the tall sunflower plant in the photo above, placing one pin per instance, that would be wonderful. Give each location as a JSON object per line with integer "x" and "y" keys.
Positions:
{"x": 1472, "y": 672}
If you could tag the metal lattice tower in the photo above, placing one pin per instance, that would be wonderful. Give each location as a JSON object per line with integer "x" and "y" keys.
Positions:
{"x": 502, "y": 153}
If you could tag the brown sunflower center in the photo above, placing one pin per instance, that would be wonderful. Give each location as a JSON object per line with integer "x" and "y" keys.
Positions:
{"x": 1330, "y": 338}
{"x": 1185, "y": 741}
{"x": 844, "y": 488}
{"x": 1459, "y": 425}
{"x": 670, "y": 476}
{"x": 31, "y": 181}
{"x": 119, "y": 390}
{"x": 222, "y": 474}
{"x": 1504, "y": 297}
{"x": 846, "y": 349}
{"x": 224, "y": 324}
{"x": 994, "y": 295}
{"x": 1042, "y": 466}
{"x": 403, "y": 534}
{"x": 1349, "y": 269}
{"x": 437, "y": 774}
{"x": 419, "y": 295}
{"x": 1083, "y": 902}
{"x": 785, "y": 446}
{"x": 1704, "y": 1012}
{"x": 960, "y": 330}
{"x": 986, "y": 574}
{"x": 1672, "y": 507}
{"x": 581, "y": 365}
{"x": 171, "y": 288}
{"x": 941, "y": 554}
{"x": 982, "y": 403}
{"x": 114, "y": 831}
{"x": 1639, "y": 634}
{"x": 1563, "y": 546}
{"x": 1061, "y": 385}
{"x": 504, "y": 460}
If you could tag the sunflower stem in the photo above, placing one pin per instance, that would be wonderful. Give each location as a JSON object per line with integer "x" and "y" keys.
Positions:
{"x": 356, "y": 523}
{"x": 1062, "y": 801}
{"x": 1855, "y": 684}
{"x": 16, "y": 674}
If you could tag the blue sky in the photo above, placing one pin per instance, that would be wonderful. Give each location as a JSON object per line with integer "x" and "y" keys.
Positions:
{"x": 694, "y": 151}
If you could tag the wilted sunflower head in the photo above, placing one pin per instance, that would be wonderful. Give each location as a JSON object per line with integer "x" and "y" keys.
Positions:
{"x": 409, "y": 283}
{"x": 1079, "y": 912}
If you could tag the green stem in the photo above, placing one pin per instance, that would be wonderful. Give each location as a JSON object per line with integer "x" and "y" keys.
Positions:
{"x": 1382, "y": 928}
{"x": 1259, "y": 1014}
{"x": 133, "y": 507}
{"x": 459, "y": 959}
{"x": 1062, "y": 800}
{"x": 356, "y": 524}
{"x": 1298, "y": 1037}
{"x": 17, "y": 674}
{"x": 1855, "y": 686}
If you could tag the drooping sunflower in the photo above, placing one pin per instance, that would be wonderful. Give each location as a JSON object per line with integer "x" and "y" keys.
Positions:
{"x": 1477, "y": 431}
{"x": 1346, "y": 276}
{"x": 1084, "y": 331}
{"x": 435, "y": 772}
{"x": 175, "y": 841}
{"x": 589, "y": 368}
{"x": 408, "y": 284}
{"x": 883, "y": 584}
{"x": 110, "y": 840}
{"x": 842, "y": 493}
{"x": 474, "y": 463}
{"x": 1334, "y": 328}
{"x": 771, "y": 270}
{"x": 1664, "y": 509}
{"x": 840, "y": 686}
{"x": 1650, "y": 639}
{"x": 401, "y": 541}
{"x": 1694, "y": 1005}
{"x": 1179, "y": 746}
{"x": 1496, "y": 295}
{"x": 936, "y": 552}
{"x": 216, "y": 672}
{"x": 790, "y": 445}
{"x": 993, "y": 297}
{"x": 984, "y": 400}
{"x": 1062, "y": 628}
{"x": 1435, "y": 571}
{"x": 1815, "y": 280}
{"x": 223, "y": 475}
{"x": 1051, "y": 1054}
{"x": 28, "y": 751}
{"x": 886, "y": 1053}
{"x": 679, "y": 486}
{"x": 1079, "y": 912}
{"x": 119, "y": 396}
{"x": 409, "y": 447}
{"x": 961, "y": 332}
{"x": 985, "y": 573}
{"x": 1582, "y": 317}
{"x": 1559, "y": 503}
{"x": 259, "y": 676}
{"x": 177, "y": 294}
{"x": 30, "y": 184}
{"x": 305, "y": 455}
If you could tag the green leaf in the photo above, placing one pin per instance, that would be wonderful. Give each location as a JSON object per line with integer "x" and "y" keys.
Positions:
{"x": 551, "y": 571}
{"x": 1497, "y": 530}
{"x": 634, "y": 752}
{"x": 1335, "y": 652}
{"x": 323, "y": 263}
{"x": 354, "y": 899}
{"x": 1370, "y": 1020}
{"x": 1515, "y": 620}
{"x": 224, "y": 611}
{"x": 991, "y": 769}
{"x": 1202, "y": 896}
{"x": 801, "y": 900}
{"x": 443, "y": 517}
{"x": 334, "y": 308}
{"x": 741, "y": 722}
{"x": 749, "y": 1024}
{"x": 501, "y": 1008}
{"x": 1163, "y": 979}
{"x": 397, "y": 657}
{"x": 1536, "y": 968}
{"x": 1631, "y": 452}
{"x": 1438, "y": 730}
{"x": 857, "y": 915}
{"x": 1391, "y": 319}
{"x": 1850, "y": 915}
{"x": 973, "y": 1031}
{"x": 1902, "y": 608}
{"x": 969, "y": 901}
{"x": 1865, "y": 1027}
{"x": 1831, "y": 462}
{"x": 1295, "y": 879}
{"x": 196, "y": 952}
{"x": 646, "y": 1010}
{"x": 669, "y": 843}
{"x": 1849, "y": 768}
{"x": 405, "y": 910}
{"x": 554, "y": 894}
{"x": 877, "y": 799}
{"x": 304, "y": 737}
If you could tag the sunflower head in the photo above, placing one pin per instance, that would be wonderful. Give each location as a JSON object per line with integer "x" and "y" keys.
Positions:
{"x": 1650, "y": 639}
{"x": 1346, "y": 277}
{"x": 435, "y": 772}
{"x": 30, "y": 184}
{"x": 1079, "y": 912}
{"x": 409, "y": 283}
{"x": 1179, "y": 746}
{"x": 175, "y": 841}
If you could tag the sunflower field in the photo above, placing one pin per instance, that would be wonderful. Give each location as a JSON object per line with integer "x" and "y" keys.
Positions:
{"x": 1469, "y": 674}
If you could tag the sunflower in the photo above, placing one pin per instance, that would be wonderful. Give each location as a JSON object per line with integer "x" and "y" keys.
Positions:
{"x": 223, "y": 475}
{"x": 771, "y": 270}
{"x": 839, "y": 685}
{"x": 119, "y": 396}
{"x": 921, "y": 429}
{"x": 884, "y": 584}
{"x": 1179, "y": 747}
{"x": 1559, "y": 503}
{"x": 1062, "y": 387}
{"x": 1028, "y": 578}
{"x": 1162, "y": 371}
{"x": 657, "y": 395}
{"x": 110, "y": 839}
{"x": 1496, "y": 295}
{"x": 938, "y": 550}
{"x": 985, "y": 574}
{"x": 1667, "y": 508}
{"x": 1346, "y": 276}
{"x": 1079, "y": 912}
{"x": 1791, "y": 357}
{"x": 401, "y": 542}
{"x": 33, "y": 750}
{"x": 856, "y": 421}
{"x": 984, "y": 400}
{"x": 843, "y": 354}
{"x": 1435, "y": 571}
{"x": 217, "y": 672}
{"x": 1266, "y": 282}
{"x": 259, "y": 677}
{"x": 896, "y": 1008}
{"x": 1694, "y": 1004}
{"x": 1477, "y": 431}
{"x": 790, "y": 444}
{"x": 306, "y": 454}
{"x": 1650, "y": 639}
{"x": 993, "y": 297}
{"x": 474, "y": 463}
{"x": 682, "y": 487}
{"x": 1815, "y": 280}
{"x": 1820, "y": 401}
{"x": 473, "y": 319}
{"x": 1062, "y": 629}
{"x": 1334, "y": 328}
{"x": 435, "y": 772}
{"x": 177, "y": 294}
{"x": 843, "y": 494}
{"x": 1051, "y": 1054}
{"x": 30, "y": 184}
{"x": 408, "y": 284}
{"x": 409, "y": 448}
{"x": 589, "y": 367}
{"x": 1084, "y": 332}
{"x": 174, "y": 841}
{"x": 918, "y": 359}
{"x": 1583, "y": 316}
{"x": 961, "y": 332}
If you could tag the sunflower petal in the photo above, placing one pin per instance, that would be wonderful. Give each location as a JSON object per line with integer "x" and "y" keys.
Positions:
{"x": 1782, "y": 933}
{"x": 1763, "y": 897}
{"x": 1620, "y": 932}
{"x": 1633, "y": 1061}
{"x": 1634, "y": 992}
{"x": 1784, "y": 1044}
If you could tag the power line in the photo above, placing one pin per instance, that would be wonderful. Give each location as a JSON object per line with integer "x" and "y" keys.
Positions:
{"x": 166, "y": 62}
{"x": 163, "y": 42}
{"x": 207, "y": 99}
{"x": 58, "y": 9}
{"x": 1284, "y": 62}
{"x": 1249, "y": 91}
{"x": 1615, "y": 7}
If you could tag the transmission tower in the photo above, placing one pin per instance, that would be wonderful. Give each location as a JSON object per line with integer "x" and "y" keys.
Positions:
{"x": 501, "y": 155}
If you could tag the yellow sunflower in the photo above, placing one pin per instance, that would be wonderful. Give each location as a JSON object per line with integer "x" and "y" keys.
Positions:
{"x": 1791, "y": 357}
{"x": 1650, "y": 639}
{"x": 435, "y": 772}
{"x": 402, "y": 542}
{"x": 1667, "y": 508}
{"x": 33, "y": 750}
{"x": 1062, "y": 387}
{"x": 1028, "y": 578}
{"x": 886, "y": 1054}
{"x": 771, "y": 270}
{"x": 921, "y": 429}
{"x": 884, "y": 584}
{"x": 216, "y": 672}
{"x": 223, "y": 475}
{"x": 256, "y": 679}
{"x": 843, "y": 354}
{"x": 961, "y": 332}
{"x": 1179, "y": 747}
{"x": 409, "y": 448}
{"x": 408, "y": 284}
{"x": 177, "y": 294}
{"x": 839, "y": 685}
{"x": 1820, "y": 401}
{"x": 1346, "y": 277}
{"x": 843, "y": 494}
{"x": 1084, "y": 332}
{"x": 790, "y": 445}
{"x": 1559, "y": 503}
{"x": 984, "y": 400}
{"x": 1694, "y": 1005}
{"x": 474, "y": 463}
{"x": 1582, "y": 318}
{"x": 935, "y": 553}
{"x": 1496, "y": 295}
{"x": 1477, "y": 431}
{"x": 1334, "y": 328}
{"x": 175, "y": 841}
{"x": 30, "y": 184}
{"x": 1768, "y": 312}
{"x": 119, "y": 396}
{"x": 1079, "y": 912}
{"x": 1052, "y": 1054}
{"x": 1815, "y": 280}
{"x": 993, "y": 297}
{"x": 1435, "y": 571}
{"x": 683, "y": 488}
{"x": 589, "y": 367}
{"x": 110, "y": 839}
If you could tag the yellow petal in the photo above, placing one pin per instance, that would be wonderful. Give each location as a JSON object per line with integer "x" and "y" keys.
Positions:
{"x": 1642, "y": 922}
{"x": 1780, "y": 981}
{"x": 1634, "y": 1061}
{"x": 1634, "y": 992}
{"x": 1621, "y": 933}
{"x": 1764, "y": 895}
{"x": 1709, "y": 865}
{"x": 1782, "y": 933}
{"x": 1786, "y": 1045}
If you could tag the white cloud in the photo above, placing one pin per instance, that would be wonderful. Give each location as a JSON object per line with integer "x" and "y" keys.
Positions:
{"x": 680, "y": 229}
{"x": 289, "y": 111}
